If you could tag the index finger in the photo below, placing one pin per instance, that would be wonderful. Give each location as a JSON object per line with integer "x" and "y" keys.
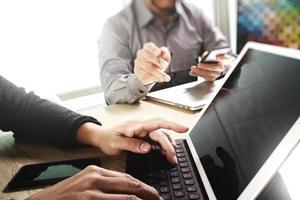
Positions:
{"x": 155, "y": 124}
{"x": 128, "y": 185}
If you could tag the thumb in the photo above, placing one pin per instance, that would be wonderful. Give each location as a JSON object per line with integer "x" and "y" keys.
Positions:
{"x": 165, "y": 54}
{"x": 134, "y": 145}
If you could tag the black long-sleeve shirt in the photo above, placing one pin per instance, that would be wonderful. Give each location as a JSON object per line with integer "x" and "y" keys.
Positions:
{"x": 33, "y": 119}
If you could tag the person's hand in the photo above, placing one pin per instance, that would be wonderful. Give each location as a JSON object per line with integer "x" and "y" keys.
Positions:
{"x": 97, "y": 183}
{"x": 134, "y": 136}
{"x": 210, "y": 72}
{"x": 150, "y": 64}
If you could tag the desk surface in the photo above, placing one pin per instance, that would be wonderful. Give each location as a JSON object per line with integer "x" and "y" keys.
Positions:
{"x": 13, "y": 156}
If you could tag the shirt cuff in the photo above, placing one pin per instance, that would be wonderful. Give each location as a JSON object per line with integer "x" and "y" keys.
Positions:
{"x": 136, "y": 87}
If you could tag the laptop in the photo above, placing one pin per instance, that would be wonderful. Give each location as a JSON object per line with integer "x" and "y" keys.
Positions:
{"x": 240, "y": 139}
{"x": 191, "y": 96}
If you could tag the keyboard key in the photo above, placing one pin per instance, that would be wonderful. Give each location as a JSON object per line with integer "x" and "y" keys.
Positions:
{"x": 174, "y": 169}
{"x": 194, "y": 196}
{"x": 179, "y": 150}
{"x": 176, "y": 180}
{"x": 179, "y": 146}
{"x": 179, "y": 193}
{"x": 163, "y": 183}
{"x": 180, "y": 155}
{"x": 161, "y": 176}
{"x": 174, "y": 174}
{"x": 183, "y": 164}
{"x": 177, "y": 186}
{"x": 161, "y": 172}
{"x": 166, "y": 196}
{"x": 189, "y": 182}
{"x": 164, "y": 189}
{"x": 182, "y": 159}
{"x": 191, "y": 188}
{"x": 185, "y": 169}
{"x": 187, "y": 175}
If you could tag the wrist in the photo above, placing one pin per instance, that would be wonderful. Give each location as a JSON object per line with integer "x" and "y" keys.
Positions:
{"x": 89, "y": 133}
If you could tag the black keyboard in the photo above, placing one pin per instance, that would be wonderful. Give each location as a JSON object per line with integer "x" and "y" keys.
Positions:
{"x": 172, "y": 182}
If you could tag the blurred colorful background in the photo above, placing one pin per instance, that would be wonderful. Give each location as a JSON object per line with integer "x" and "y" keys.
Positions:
{"x": 269, "y": 21}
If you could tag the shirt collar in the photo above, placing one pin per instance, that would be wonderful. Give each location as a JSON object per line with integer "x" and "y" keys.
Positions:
{"x": 143, "y": 13}
{"x": 181, "y": 11}
{"x": 145, "y": 16}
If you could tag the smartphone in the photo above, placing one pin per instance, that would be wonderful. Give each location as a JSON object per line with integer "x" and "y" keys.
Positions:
{"x": 211, "y": 56}
{"x": 42, "y": 174}
{"x": 208, "y": 58}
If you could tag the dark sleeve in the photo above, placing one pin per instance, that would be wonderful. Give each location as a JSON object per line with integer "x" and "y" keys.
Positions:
{"x": 33, "y": 119}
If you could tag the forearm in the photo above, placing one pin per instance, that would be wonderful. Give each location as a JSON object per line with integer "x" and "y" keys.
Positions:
{"x": 35, "y": 119}
{"x": 116, "y": 65}
{"x": 50, "y": 123}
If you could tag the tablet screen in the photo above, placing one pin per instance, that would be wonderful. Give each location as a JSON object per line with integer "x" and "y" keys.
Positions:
{"x": 248, "y": 118}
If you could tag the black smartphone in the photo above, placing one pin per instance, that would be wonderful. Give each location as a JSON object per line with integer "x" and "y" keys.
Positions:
{"x": 42, "y": 174}
{"x": 207, "y": 58}
{"x": 211, "y": 56}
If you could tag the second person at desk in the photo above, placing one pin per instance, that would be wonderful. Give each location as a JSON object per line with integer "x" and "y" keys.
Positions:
{"x": 136, "y": 47}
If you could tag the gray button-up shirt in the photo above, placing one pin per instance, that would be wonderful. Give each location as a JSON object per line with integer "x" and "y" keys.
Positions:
{"x": 187, "y": 36}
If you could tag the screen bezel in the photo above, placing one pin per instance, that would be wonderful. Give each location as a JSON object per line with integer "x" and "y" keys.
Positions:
{"x": 13, "y": 185}
{"x": 259, "y": 180}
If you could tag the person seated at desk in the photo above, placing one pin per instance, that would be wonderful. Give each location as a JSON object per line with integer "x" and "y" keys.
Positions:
{"x": 133, "y": 53}
{"x": 33, "y": 119}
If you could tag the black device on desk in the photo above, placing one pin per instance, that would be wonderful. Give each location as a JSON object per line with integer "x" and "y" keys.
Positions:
{"x": 43, "y": 174}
